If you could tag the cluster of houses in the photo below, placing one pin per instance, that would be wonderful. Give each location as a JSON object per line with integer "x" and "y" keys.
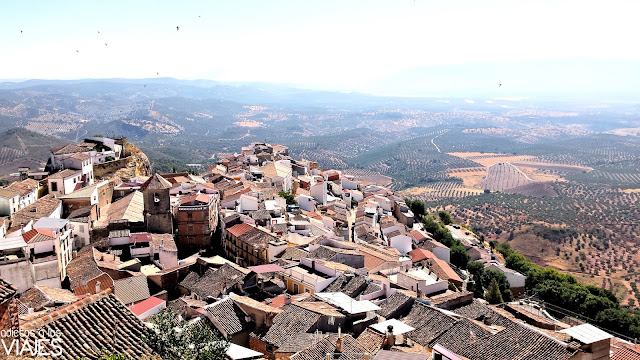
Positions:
{"x": 288, "y": 260}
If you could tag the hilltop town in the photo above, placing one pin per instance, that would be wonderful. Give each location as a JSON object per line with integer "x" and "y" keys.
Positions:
{"x": 283, "y": 258}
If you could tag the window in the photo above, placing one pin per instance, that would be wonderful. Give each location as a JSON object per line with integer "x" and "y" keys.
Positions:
{"x": 54, "y": 186}
{"x": 437, "y": 356}
{"x": 189, "y": 215}
{"x": 295, "y": 288}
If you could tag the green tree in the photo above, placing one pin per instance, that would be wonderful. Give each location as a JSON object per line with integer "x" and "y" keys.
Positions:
{"x": 445, "y": 217}
{"x": 459, "y": 256}
{"x": 430, "y": 225}
{"x": 518, "y": 263}
{"x": 444, "y": 236}
{"x": 488, "y": 276}
{"x": 291, "y": 200}
{"x": 417, "y": 207}
{"x": 176, "y": 339}
{"x": 493, "y": 295}
{"x": 475, "y": 269}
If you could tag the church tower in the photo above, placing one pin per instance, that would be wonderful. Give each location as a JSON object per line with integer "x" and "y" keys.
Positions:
{"x": 157, "y": 205}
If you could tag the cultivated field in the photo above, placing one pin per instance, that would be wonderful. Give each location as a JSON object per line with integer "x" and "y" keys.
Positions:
{"x": 504, "y": 176}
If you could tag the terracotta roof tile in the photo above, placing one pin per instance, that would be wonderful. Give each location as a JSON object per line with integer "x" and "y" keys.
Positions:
{"x": 7, "y": 291}
{"x": 229, "y": 316}
{"x": 395, "y": 305}
{"x": 286, "y": 325}
{"x": 624, "y": 353}
{"x": 132, "y": 289}
{"x": 96, "y": 323}
{"x": 23, "y": 187}
{"x": 351, "y": 349}
{"x": 239, "y": 229}
{"x": 65, "y": 174}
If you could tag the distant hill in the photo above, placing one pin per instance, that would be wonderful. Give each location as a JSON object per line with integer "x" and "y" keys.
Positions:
{"x": 20, "y": 147}
{"x": 564, "y": 78}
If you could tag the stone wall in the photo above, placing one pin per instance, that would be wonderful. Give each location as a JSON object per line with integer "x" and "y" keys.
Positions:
{"x": 109, "y": 167}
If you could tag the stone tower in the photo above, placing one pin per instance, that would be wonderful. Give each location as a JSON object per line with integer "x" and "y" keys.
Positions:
{"x": 157, "y": 205}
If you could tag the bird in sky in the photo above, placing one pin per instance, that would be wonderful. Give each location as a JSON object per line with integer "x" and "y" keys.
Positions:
{"x": 499, "y": 85}
{"x": 105, "y": 44}
{"x": 157, "y": 73}
{"x": 177, "y": 28}
{"x": 98, "y": 31}
{"x": 21, "y": 32}
{"x": 145, "y": 85}
{"x": 78, "y": 51}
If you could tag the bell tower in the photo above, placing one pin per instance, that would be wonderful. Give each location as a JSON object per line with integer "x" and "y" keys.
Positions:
{"x": 157, "y": 205}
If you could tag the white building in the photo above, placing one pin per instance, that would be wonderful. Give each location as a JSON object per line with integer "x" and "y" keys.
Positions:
{"x": 402, "y": 243}
{"x": 516, "y": 280}
{"x": 9, "y": 202}
{"x": 418, "y": 279}
{"x": 28, "y": 191}
{"x": 15, "y": 266}
{"x": 64, "y": 182}
{"x": 319, "y": 192}
{"x": 51, "y": 245}
{"x": 82, "y": 162}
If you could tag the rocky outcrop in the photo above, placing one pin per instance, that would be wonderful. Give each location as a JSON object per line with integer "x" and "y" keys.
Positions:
{"x": 137, "y": 163}
{"x": 134, "y": 163}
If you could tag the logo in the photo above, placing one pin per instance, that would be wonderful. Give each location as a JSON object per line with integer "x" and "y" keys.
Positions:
{"x": 46, "y": 343}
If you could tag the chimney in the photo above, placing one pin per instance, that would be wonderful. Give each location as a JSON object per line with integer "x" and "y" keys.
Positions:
{"x": 313, "y": 265}
{"x": 287, "y": 299}
{"x": 488, "y": 320}
{"x": 339, "y": 345}
{"x": 418, "y": 291}
{"x": 391, "y": 340}
{"x": 97, "y": 287}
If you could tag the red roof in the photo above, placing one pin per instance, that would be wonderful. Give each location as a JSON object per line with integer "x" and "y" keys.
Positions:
{"x": 239, "y": 229}
{"x": 145, "y": 305}
{"x": 417, "y": 235}
{"x": 279, "y": 301}
{"x": 36, "y": 235}
{"x": 140, "y": 237}
{"x": 444, "y": 271}
{"x": 199, "y": 198}
{"x": 624, "y": 353}
{"x": 261, "y": 269}
{"x": 421, "y": 254}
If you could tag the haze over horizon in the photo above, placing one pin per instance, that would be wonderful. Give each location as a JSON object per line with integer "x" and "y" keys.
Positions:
{"x": 382, "y": 47}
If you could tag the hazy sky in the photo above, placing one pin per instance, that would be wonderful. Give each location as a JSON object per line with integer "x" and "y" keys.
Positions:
{"x": 331, "y": 44}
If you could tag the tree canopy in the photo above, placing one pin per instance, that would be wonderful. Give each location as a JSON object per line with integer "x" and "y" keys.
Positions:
{"x": 597, "y": 305}
{"x": 291, "y": 200}
{"x": 175, "y": 339}
{"x": 445, "y": 217}
{"x": 493, "y": 295}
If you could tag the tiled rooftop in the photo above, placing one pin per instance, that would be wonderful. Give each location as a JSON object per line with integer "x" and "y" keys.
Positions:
{"x": 91, "y": 325}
